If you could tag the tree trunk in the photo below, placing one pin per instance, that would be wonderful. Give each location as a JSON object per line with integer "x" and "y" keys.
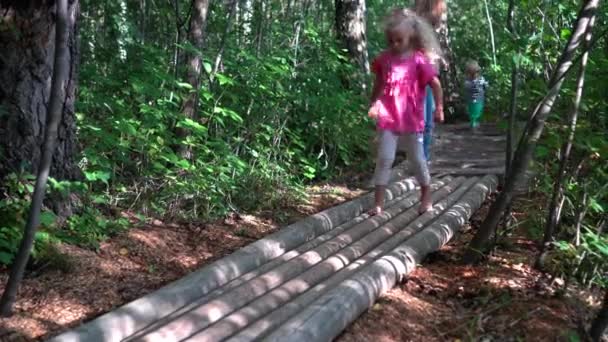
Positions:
{"x": 512, "y": 116}
{"x": 600, "y": 323}
{"x": 557, "y": 197}
{"x": 514, "y": 89}
{"x": 220, "y": 53}
{"x": 179, "y": 33}
{"x": 350, "y": 27}
{"x": 525, "y": 150}
{"x": 196, "y": 36}
{"x": 61, "y": 80}
{"x": 26, "y": 64}
{"x": 491, "y": 29}
{"x": 512, "y": 106}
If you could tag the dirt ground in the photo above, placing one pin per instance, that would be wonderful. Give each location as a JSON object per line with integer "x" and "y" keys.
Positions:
{"x": 502, "y": 300}
{"x": 136, "y": 263}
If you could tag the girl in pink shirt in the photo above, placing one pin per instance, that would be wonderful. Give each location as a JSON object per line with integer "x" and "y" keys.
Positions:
{"x": 402, "y": 73}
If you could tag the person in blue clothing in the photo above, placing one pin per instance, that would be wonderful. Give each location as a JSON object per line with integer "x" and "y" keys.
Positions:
{"x": 429, "y": 109}
{"x": 434, "y": 12}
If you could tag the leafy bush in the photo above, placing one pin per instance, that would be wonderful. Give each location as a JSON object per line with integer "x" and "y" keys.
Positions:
{"x": 14, "y": 206}
{"x": 267, "y": 124}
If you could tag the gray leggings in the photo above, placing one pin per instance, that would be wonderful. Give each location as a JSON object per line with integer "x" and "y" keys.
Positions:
{"x": 387, "y": 148}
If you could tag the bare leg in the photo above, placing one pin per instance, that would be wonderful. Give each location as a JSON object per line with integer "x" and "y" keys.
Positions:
{"x": 387, "y": 147}
{"x": 425, "y": 199}
{"x": 415, "y": 154}
{"x": 379, "y": 204}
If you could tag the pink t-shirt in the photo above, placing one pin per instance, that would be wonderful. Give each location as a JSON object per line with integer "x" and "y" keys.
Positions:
{"x": 401, "y": 103}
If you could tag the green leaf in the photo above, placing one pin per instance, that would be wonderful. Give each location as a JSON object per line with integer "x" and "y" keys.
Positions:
{"x": 193, "y": 125}
{"x": 185, "y": 85}
{"x": 223, "y": 79}
{"x": 542, "y": 151}
{"x": 47, "y": 218}
{"x": 207, "y": 67}
{"x": 595, "y": 206}
{"x": 6, "y": 258}
{"x": 103, "y": 176}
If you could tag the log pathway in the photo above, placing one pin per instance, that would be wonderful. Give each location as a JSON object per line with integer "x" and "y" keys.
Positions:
{"x": 310, "y": 280}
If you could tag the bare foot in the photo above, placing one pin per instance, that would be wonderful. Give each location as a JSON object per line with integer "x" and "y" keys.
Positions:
{"x": 424, "y": 207}
{"x": 375, "y": 211}
{"x": 425, "y": 204}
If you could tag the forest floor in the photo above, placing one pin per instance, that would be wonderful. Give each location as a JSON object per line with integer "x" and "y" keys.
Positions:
{"x": 141, "y": 260}
{"x": 503, "y": 299}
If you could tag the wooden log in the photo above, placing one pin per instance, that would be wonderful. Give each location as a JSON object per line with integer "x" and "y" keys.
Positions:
{"x": 443, "y": 171}
{"x": 330, "y": 314}
{"x": 390, "y": 205}
{"x": 360, "y": 238}
{"x": 136, "y": 315}
{"x": 297, "y": 290}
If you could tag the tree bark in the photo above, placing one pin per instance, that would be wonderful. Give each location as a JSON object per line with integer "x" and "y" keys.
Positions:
{"x": 557, "y": 197}
{"x": 512, "y": 107}
{"x": 179, "y": 33}
{"x": 26, "y": 65}
{"x": 351, "y": 30}
{"x": 600, "y": 323}
{"x": 60, "y": 84}
{"x": 514, "y": 89}
{"x": 196, "y": 36}
{"x": 525, "y": 150}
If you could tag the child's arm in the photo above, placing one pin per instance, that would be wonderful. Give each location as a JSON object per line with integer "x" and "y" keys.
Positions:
{"x": 438, "y": 97}
{"x": 376, "y": 92}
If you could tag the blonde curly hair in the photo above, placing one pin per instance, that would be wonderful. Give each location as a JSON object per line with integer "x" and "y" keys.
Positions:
{"x": 424, "y": 37}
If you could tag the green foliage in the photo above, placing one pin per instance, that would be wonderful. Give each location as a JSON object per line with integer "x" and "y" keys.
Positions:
{"x": 541, "y": 31}
{"x": 585, "y": 262}
{"x": 86, "y": 228}
{"x": 14, "y": 207}
{"x": 49, "y": 256}
{"x": 273, "y": 118}
{"x": 89, "y": 228}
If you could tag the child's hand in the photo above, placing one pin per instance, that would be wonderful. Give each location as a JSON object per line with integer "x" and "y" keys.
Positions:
{"x": 373, "y": 112}
{"x": 439, "y": 114}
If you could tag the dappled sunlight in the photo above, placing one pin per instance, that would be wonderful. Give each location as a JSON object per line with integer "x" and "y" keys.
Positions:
{"x": 335, "y": 263}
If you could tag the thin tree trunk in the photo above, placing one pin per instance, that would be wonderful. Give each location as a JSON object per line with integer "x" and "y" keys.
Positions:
{"x": 220, "y": 54}
{"x": 525, "y": 150}
{"x": 579, "y": 220}
{"x": 60, "y": 80}
{"x": 351, "y": 30}
{"x": 196, "y": 36}
{"x": 512, "y": 104}
{"x": 600, "y": 323}
{"x": 512, "y": 116}
{"x": 557, "y": 197}
{"x": 178, "y": 38}
{"x": 491, "y": 29}
{"x": 259, "y": 8}
{"x": 143, "y": 19}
